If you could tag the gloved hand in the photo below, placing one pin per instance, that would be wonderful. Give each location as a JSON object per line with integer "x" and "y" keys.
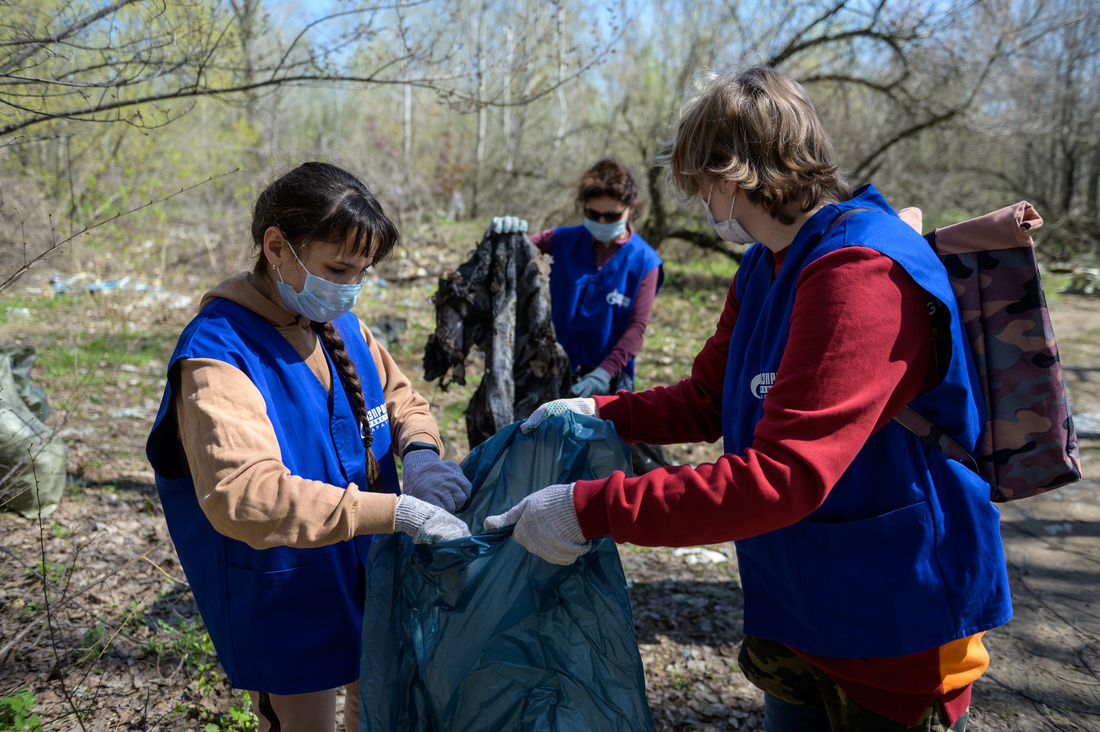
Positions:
{"x": 546, "y": 524}
{"x": 508, "y": 224}
{"x": 545, "y": 411}
{"x": 596, "y": 381}
{"x": 439, "y": 482}
{"x": 425, "y": 523}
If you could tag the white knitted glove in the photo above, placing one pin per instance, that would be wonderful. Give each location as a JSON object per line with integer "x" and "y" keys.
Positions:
{"x": 585, "y": 406}
{"x": 425, "y": 523}
{"x": 440, "y": 482}
{"x": 546, "y": 524}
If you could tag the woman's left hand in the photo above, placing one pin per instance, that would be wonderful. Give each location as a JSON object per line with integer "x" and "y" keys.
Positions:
{"x": 439, "y": 482}
{"x": 508, "y": 225}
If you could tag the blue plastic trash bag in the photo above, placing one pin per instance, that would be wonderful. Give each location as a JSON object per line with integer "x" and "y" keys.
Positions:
{"x": 479, "y": 634}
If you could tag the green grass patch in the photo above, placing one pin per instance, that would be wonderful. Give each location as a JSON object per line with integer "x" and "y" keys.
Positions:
{"x": 684, "y": 314}
{"x": 96, "y": 367}
{"x": 80, "y": 352}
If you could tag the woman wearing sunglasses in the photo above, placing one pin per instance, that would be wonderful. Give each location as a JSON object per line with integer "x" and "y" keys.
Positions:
{"x": 602, "y": 281}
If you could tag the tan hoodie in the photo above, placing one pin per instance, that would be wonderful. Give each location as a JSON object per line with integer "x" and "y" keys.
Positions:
{"x": 243, "y": 487}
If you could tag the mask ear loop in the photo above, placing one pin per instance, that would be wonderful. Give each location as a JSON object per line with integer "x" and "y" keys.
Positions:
{"x": 293, "y": 253}
{"x": 732, "y": 203}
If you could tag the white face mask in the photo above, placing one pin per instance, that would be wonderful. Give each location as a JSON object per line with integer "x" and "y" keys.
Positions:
{"x": 729, "y": 230}
{"x": 320, "y": 300}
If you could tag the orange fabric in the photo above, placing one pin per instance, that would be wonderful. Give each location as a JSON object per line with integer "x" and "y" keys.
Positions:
{"x": 962, "y": 662}
{"x": 902, "y": 687}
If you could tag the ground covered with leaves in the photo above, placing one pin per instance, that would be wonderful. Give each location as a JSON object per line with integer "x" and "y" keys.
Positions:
{"x": 98, "y": 629}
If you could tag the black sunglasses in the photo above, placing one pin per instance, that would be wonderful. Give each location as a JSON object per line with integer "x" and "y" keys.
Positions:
{"x": 607, "y": 216}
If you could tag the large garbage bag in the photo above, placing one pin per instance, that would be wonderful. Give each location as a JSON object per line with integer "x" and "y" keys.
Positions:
{"x": 32, "y": 456}
{"x": 479, "y": 634}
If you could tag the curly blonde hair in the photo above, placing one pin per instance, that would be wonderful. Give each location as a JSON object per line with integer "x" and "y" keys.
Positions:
{"x": 758, "y": 129}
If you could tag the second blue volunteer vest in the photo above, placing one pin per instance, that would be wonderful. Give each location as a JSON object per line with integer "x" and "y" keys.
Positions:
{"x": 283, "y": 620}
{"x": 590, "y": 307}
{"x": 905, "y": 552}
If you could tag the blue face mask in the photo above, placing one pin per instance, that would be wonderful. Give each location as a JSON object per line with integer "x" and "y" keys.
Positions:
{"x": 319, "y": 300}
{"x": 605, "y": 232}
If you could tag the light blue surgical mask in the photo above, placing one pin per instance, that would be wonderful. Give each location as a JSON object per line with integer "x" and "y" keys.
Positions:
{"x": 605, "y": 232}
{"x": 320, "y": 300}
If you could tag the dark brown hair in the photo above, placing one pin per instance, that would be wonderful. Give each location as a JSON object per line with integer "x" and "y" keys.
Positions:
{"x": 610, "y": 178}
{"x": 319, "y": 202}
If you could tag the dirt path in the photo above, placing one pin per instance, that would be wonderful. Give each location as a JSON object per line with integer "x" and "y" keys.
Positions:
{"x": 1045, "y": 664}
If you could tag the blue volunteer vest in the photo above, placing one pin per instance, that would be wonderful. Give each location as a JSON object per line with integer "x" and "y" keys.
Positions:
{"x": 905, "y": 553}
{"x": 283, "y": 620}
{"x": 590, "y": 307}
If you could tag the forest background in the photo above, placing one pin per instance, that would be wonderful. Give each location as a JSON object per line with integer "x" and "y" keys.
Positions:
{"x": 135, "y": 134}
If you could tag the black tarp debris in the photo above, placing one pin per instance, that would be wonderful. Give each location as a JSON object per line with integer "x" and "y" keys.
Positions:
{"x": 498, "y": 302}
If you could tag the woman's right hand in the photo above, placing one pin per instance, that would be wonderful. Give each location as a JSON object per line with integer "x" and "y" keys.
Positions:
{"x": 425, "y": 523}
{"x": 585, "y": 406}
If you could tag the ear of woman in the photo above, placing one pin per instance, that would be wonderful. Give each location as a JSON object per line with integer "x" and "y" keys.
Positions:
{"x": 274, "y": 243}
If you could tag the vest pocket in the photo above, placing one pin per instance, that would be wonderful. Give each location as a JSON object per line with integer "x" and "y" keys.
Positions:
{"x": 874, "y": 585}
{"x": 296, "y": 630}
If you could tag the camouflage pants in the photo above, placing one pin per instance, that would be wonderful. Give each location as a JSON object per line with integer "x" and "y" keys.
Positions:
{"x": 773, "y": 668}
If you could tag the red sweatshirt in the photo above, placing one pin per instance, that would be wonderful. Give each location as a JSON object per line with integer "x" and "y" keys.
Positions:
{"x": 850, "y": 364}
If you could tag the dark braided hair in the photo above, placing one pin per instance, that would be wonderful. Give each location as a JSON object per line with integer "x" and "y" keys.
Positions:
{"x": 319, "y": 202}
{"x": 334, "y": 344}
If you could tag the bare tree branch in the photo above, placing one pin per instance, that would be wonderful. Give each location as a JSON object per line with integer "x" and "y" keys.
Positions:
{"x": 34, "y": 46}
{"x": 186, "y": 55}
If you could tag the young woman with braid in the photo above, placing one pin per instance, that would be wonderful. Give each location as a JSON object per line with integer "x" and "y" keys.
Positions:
{"x": 274, "y": 451}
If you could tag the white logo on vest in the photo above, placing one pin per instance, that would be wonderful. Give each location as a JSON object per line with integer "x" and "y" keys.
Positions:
{"x": 761, "y": 383}
{"x": 376, "y": 416}
{"x": 618, "y": 298}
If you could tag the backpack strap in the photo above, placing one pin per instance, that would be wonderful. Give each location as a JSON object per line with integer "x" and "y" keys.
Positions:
{"x": 928, "y": 431}
{"x": 908, "y": 417}
{"x": 843, "y": 215}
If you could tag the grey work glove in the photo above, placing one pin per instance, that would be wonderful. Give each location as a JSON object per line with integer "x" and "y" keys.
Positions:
{"x": 425, "y": 523}
{"x": 596, "y": 381}
{"x": 440, "y": 482}
{"x": 508, "y": 225}
{"x": 546, "y": 524}
{"x": 585, "y": 406}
